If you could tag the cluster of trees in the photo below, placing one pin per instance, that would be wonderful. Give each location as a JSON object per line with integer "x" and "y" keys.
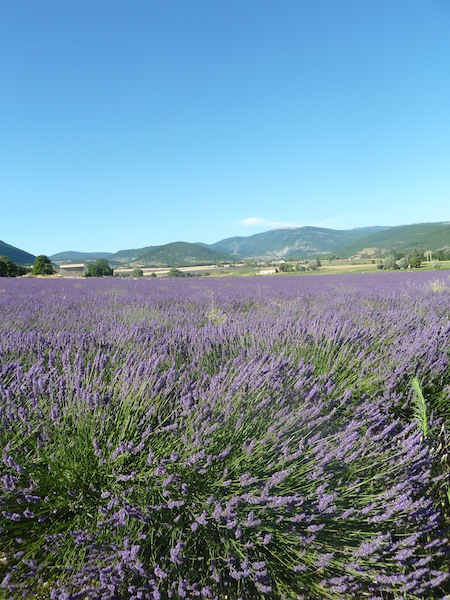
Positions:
{"x": 10, "y": 269}
{"x": 41, "y": 266}
{"x": 137, "y": 272}
{"x": 99, "y": 268}
{"x": 413, "y": 260}
{"x": 178, "y": 273}
{"x": 443, "y": 254}
{"x": 310, "y": 265}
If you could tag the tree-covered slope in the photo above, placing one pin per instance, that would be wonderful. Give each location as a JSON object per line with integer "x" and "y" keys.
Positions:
{"x": 20, "y": 257}
{"x": 72, "y": 256}
{"x": 407, "y": 238}
{"x": 293, "y": 242}
{"x": 178, "y": 254}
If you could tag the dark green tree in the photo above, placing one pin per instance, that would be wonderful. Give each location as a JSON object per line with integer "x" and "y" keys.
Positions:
{"x": 396, "y": 255}
{"x": 99, "y": 268}
{"x": 442, "y": 254}
{"x": 403, "y": 262}
{"x": 137, "y": 272}
{"x": 10, "y": 269}
{"x": 285, "y": 267}
{"x": 314, "y": 264}
{"x": 4, "y": 266}
{"x": 175, "y": 273}
{"x": 43, "y": 266}
{"x": 390, "y": 263}
{"x": 415, "y": 259}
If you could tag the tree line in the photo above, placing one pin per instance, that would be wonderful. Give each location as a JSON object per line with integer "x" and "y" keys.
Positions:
{"x": 43, "y": 266}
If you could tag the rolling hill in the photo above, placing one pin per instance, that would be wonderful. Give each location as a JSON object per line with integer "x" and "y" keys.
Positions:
{"x": 404, "y": 238}
{"x": 288, "y": 243}
{"x": 72, "y": 256}
{"x": 180, "y": 254}
{"x": 295, "y": 242}
{"x": 176, "y": 254}
{"x": 20, "y": 257}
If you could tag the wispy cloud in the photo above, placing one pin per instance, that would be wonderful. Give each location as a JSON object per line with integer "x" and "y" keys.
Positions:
{"x": 261, "y": 222}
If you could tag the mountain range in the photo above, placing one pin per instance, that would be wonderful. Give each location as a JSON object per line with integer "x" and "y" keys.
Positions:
{"x": 286, "y": 243}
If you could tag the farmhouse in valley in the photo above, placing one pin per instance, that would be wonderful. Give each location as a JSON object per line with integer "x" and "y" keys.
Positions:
{"x": 72, "y": 270}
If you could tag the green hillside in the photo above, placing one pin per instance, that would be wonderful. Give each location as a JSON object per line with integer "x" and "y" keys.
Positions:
{"x": 71, "y": 256}
{"x": 288, "y": 243}
{"x": 172, "y": 254}
{"x": 404, "y": 238}
{"x": 20, "y": 257}
{"x": 295, "y": 242}
{"x": 180, "y": 254}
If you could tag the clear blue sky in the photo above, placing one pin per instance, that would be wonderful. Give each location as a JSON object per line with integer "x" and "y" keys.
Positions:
{"x": 133, "y": 123}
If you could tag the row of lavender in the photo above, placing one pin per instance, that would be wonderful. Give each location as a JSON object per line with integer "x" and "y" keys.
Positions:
{"x": 229, "y": 438}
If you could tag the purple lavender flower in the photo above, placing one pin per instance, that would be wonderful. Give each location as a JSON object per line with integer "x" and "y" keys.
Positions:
{"x": 175, "y": 553}
{"x": 180, "y": 447}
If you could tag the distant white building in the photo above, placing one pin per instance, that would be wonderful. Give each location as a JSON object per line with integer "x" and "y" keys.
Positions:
{"x": 74, "y": 270}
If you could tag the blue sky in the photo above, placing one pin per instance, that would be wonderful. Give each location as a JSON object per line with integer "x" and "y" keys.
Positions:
{"x": 126, "y": 124}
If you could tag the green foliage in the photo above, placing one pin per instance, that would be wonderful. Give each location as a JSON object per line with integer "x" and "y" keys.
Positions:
{"x": 404, "y": 239}
{"x": 180, "y": 254}
{"x": 415, "y": 260}
{"x": 99, "y": 268}
{"x": 390, "y": 263}
{"x": 175, "y": 273}
{"x": 314, "y": 264}
{"x": 137, "y": 272}
{"x": 10, "y": 269}
{"x": 395, "y": 254}
{"x": 285, "y": 268}
{"x": 43, "y": 266}
{"x": 442, "y": 254}
{"x": 438, "y": 440}
{"x": 403, "y": 262}
{"x": 420, "y": 410}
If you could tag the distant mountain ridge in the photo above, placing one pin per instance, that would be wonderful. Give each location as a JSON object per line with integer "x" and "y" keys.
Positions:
{"x": 174, "y": 254}
{"x": 406, "y": 238}
{"x": 293, "y": 242}
{"x": 72, "y": 256}
{"x": 289, "y": 243}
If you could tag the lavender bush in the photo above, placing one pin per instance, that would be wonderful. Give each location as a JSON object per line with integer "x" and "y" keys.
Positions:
{"x": 235, "y": 438}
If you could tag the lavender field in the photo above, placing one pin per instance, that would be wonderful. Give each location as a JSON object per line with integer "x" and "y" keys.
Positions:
{"x": 239, "y": 438}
